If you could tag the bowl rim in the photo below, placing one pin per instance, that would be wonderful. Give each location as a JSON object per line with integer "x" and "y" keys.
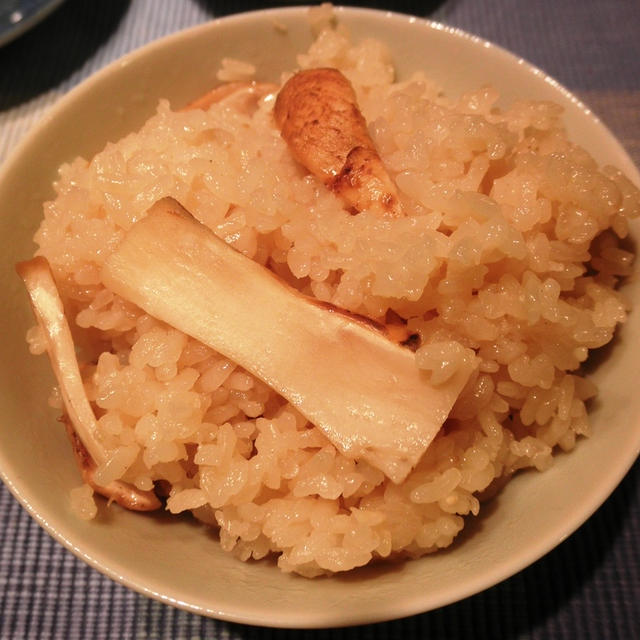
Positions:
{"x": 388, "y": 611}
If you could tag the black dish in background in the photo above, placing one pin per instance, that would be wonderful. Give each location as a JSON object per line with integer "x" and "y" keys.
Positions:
{"x": 18, "y": 16}
{"x": 40, "y": 61}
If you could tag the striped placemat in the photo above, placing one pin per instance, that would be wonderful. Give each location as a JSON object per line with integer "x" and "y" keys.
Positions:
{"x": 589, "y": 587}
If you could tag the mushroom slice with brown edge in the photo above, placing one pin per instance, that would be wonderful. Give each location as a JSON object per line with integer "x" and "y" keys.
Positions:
{"x": 360, "y": 388}
{"x": 318, "y": 115}
{"x": 79, "y": 420}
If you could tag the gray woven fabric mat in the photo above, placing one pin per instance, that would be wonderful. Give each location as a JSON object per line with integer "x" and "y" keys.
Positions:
{"x": 589, "y": 587}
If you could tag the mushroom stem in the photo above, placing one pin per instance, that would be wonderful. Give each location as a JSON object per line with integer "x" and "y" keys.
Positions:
{"x": 80, "y": 421}
{"x": 318, "y": 115}
{"x": 49, "y": 312}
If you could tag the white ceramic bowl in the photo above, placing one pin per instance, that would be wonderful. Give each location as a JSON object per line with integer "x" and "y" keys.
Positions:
{"x": 180, "y": 562}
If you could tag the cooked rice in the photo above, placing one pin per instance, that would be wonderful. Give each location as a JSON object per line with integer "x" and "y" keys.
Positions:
{"x": 511, "y": 247}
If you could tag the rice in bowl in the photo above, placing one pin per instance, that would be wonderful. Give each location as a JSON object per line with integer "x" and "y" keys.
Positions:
{"x": 511, "y": 247}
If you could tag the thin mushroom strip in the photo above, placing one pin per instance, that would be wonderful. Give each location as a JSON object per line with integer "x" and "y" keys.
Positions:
{"x": 124, "y": 494}
{"x": 318, "y": 115}
{"x": 80, "y": 420}
{"x": 247, "y": 91}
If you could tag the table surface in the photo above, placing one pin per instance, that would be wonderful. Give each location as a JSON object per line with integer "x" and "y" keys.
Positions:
{"x": 588, "y": 587}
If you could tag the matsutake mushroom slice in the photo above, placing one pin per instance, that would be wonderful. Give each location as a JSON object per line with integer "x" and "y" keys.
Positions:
{"x": 122, "y": 493}
{"x": 362, "y": 389}
{"x": 318, "y": 115}
{"x": 243, "y": 95}
{"x": 80, "y": 420}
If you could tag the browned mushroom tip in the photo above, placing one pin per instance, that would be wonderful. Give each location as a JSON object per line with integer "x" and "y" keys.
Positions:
{"x": 126, "y": 495}
{"x": 365, "y": 183}
{"x": 23, "y": 268}
{"x": 318, "y": 116}
{"x": 320, "y": 81}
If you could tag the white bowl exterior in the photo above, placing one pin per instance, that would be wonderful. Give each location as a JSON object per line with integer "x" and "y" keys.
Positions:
{"x": 180, "y": 562}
